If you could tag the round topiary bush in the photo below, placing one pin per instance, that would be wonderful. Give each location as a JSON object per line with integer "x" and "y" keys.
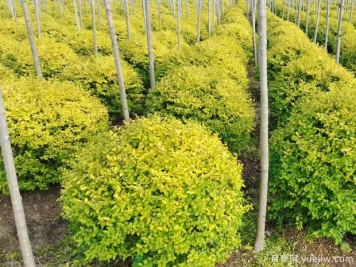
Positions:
{"x": 284, "y": 47}
{"x": 167, "y": 191}
{"x": 48, "y": 122}
{"x": 239, "y": 29}
{"x": 348, "y": 48}
{"x": 98, "y": 75}
{"x": 219, "y": 52}
{"x": 313, "y": 160}
{"x": 9, "y": 24}
{"x": 210, "y": 97}
{"x": 82, "y": 42}
{"x": 314, "y": 71}
{"x": 55, "y": 57}
{"x": 134, "y": 51}
{"x": 17, "y": 60}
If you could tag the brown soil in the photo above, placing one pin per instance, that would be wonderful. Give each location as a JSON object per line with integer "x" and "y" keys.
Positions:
{"x": 43, "y": 219}
{"x": 45, "y": 226}
{"x": 321, "y": 249}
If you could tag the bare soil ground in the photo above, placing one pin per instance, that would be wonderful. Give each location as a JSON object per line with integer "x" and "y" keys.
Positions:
{"x": 42, "y": 215}
{"x": 47, "y": 230}
{"x": 45, "y": 226}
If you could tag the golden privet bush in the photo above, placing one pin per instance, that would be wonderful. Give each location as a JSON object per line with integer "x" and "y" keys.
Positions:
{"x": 210, "y": 97}
{"x": 313, "y": 165}
{"x": 55, "y": 57}
{"x": 48, "y": 121}
{"x": 167, "y": 191}
{"x": 98, "y": 76}
{"x": 298, "y": 68}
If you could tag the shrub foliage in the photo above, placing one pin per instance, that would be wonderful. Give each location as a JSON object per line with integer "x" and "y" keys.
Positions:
{"x": 348, "y": 41}
{"x": 298, "y": 69}
{"x": 48, "y": 122}
{"x": 313, "y": 165}
{"x": 98, "y": 75}
{"x": 312, "y": 158}
{"x": 211, "y": 98}
{"x": 158, "y": 188}
{"x": 208, "y": 83}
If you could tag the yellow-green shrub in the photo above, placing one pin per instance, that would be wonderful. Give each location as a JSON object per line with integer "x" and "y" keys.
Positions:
{"x": 226, "y": 50}
{"x": 313, "y": 165}
{"x": 98, "y": 75}
{"x": 135, "y": 51}
{"x": 241, "y": 34}
{"x": 298, "y": 68}
{"x": 314, "y": 71}
{"x": 48, "y": 121}
{"x": 168, "y": 21}
{"x": 217, "y": 52}
{"x": 16, "y": 30}
{"x": 348, "y": 49}
{"x": 225, "y": 53}
{"x": 166, "y": 44}
{"x": 83, "y": 43}
{"x": 137, "y": 24}
{"x": 54, "y": 56}
{"x": 209, "y": 96}
{"x": 237, "y": 26}
{"x": 204, "y": 35}
{"x": 161, "y": 189}
{"x": 348, "y": 38}
{"x": 188, "y": 24}
{"x": 282, "y": 49}
{"x": 6, "y": 74}
{"x": 16, "y": 55}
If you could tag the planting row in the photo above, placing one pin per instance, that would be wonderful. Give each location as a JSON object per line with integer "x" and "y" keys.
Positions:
{"x": 67, "y": 55}
{"x": 312, "y": 156}
{"x": 211, "y": 86}
{"x": 163, "y": 190}
{"x": 35, "y": 154}
{"x": 48, "y": 122}
{"x": 348, "y": 38}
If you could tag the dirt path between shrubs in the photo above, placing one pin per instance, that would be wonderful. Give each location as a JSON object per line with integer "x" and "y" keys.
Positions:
{"x": 45, "y": 226}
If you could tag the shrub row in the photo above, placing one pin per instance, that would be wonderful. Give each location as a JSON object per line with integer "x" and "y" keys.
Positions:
{"x": 209, "y": 85}
{"x": 64, "y": 62}
{"x": 58, "y": 60}
{"x": 98, "y": 76}
{"x": 312, "y": 157}
{"x": 348, "y": 40}
{"x": 61, "y": 50}
{"x": 134, "y": 50}
{"x": 6, "y": 74}
{"x": 165, "y": 191}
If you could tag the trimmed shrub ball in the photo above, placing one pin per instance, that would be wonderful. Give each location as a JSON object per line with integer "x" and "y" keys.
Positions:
{"x": 48, "y": 122}
{"x": 313, "y": 160}
{"x": 157, "y": 188}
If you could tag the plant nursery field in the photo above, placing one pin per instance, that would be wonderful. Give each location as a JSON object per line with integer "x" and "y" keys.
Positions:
{"x": 135, "y": 132}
